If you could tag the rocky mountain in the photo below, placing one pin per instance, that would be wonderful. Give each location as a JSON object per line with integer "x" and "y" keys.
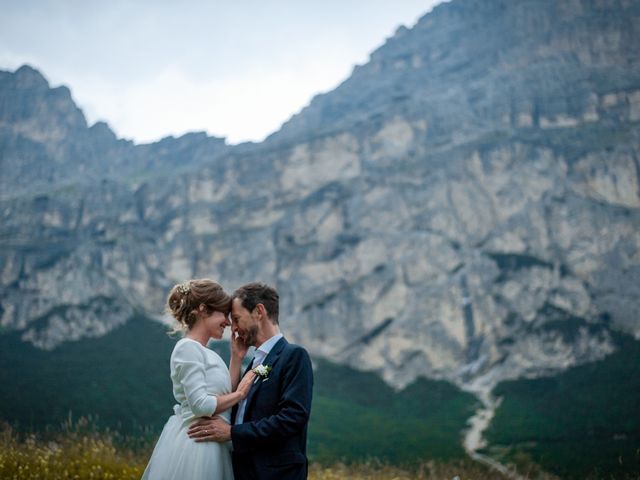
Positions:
{"x": 465, "y": 206}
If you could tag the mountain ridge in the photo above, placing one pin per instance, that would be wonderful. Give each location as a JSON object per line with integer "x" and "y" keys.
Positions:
{"x": 464, "y": 207}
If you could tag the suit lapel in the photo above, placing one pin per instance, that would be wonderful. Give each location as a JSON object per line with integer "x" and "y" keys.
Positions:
{"x": 275, "y": 352}
{"x": 246, "y": 370}
{"x": 270, "y": 360}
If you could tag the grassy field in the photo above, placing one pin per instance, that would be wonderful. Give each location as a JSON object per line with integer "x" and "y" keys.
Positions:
{"x": 79, "y": 452}
{"x": 122, "y": 382}
{"x": 357, "y": 416}
{"x": 584, "y": 419}
{"x": 583, "y": 422}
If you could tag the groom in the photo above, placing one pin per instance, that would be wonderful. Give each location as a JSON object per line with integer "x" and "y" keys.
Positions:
{"x": 269, "y": 431}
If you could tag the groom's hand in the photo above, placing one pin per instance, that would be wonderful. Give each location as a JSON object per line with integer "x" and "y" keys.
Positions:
{"x": 210, "y": 430}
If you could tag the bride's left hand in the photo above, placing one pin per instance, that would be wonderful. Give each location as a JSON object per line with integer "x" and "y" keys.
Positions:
{"x": 246, "y": 383}
{"x": 239, "y": 349}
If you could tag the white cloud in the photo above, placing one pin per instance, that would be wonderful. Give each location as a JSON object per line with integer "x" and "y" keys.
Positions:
{"x": 248, "y": 106}
{"x": 151, "y": 69}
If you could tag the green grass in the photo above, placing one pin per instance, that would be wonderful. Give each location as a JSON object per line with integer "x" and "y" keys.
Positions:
{"x": 357, "y": 416}
{"x": 82, "y": 453}
{"x": 585, "y": 421}
{"x": 122, "y": 382}
{"x": 76, "y": 453}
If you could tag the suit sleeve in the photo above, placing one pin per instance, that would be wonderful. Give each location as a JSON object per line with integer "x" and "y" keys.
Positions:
{"x": 293, "y": 408}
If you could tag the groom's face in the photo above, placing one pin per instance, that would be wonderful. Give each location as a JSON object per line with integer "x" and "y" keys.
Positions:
{"x": 244, "y": 323}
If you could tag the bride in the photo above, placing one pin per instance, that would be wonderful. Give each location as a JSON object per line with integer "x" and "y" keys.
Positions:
{"x": 202, "y": 385}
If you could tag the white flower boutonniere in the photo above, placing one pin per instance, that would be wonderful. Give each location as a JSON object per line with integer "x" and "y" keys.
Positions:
{"x": 262, "y": 371}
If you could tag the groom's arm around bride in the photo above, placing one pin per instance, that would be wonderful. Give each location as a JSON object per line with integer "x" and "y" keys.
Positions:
{"x": 270, "y": 426}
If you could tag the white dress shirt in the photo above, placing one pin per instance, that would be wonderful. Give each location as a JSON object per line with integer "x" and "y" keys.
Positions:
{"x": 260, "y": 354}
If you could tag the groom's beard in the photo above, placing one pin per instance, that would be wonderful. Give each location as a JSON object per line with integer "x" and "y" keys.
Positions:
{"x": 252, "y": 336}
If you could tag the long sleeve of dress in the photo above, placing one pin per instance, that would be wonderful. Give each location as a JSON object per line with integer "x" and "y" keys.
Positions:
{"x": 189, "y": 367}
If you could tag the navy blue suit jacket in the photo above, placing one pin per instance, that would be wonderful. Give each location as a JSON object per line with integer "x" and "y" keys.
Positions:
{"x": 272, "y": 441}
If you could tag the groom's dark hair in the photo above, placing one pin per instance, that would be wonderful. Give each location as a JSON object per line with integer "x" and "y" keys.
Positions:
{"x": 254, "y": 293}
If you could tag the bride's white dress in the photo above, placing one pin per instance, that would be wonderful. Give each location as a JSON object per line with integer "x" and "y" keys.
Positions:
{"x": 197, "y": 374}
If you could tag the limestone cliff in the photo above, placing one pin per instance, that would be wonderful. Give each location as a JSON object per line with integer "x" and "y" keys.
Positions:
{"x": 466, "y": 205}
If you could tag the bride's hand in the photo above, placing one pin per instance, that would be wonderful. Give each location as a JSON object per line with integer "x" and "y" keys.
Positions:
{"x": 245, "y": 384}
{"x": 238, "y": 347}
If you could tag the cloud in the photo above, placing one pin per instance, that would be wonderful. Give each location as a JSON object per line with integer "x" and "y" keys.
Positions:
{"x": 246, "y": 106}
{"x": 233, "y": 69}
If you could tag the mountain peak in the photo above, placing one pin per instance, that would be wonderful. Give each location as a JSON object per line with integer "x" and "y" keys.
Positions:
{"x": 27, "y": 77}
{"x": 35, "y": 110}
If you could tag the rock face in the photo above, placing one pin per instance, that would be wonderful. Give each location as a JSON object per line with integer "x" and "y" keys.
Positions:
{"x": 465, "y": 206}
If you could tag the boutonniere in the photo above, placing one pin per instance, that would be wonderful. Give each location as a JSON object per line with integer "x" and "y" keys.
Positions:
{"x": 262, "y": 371}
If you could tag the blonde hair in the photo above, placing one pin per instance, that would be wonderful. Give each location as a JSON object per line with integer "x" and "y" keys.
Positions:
{"x": 184, "y": 301}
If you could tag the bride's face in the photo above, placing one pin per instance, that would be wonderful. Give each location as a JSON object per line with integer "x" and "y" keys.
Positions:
{"x": 216, "y": 323}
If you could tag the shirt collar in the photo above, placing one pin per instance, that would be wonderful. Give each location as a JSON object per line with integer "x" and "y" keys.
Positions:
{"x": 268, "y": 345}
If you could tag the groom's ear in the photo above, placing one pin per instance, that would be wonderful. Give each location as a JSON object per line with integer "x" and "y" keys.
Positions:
{"x": 261, "y": 310}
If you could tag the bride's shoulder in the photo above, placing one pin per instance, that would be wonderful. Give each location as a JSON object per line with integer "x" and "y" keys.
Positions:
{"x": 186, "y": 346}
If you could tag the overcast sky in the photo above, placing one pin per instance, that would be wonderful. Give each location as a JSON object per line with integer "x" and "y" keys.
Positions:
{"x": 238, "y": 69}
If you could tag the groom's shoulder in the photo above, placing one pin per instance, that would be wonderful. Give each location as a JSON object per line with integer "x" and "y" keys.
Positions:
{"x": 295, "y": 351}
{"x": 293, "y": 346}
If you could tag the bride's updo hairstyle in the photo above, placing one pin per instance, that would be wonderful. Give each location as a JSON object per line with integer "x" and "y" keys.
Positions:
{"x": 185, "y": 299}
